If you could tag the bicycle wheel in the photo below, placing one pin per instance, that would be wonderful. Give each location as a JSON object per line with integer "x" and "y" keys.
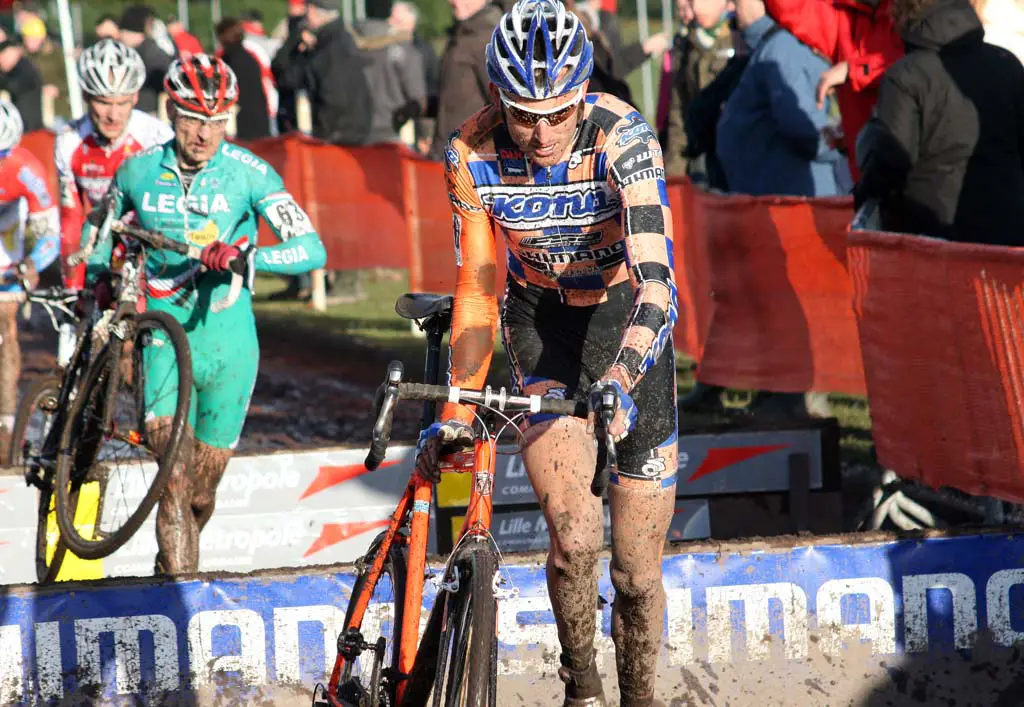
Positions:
{"x": 31, "y": 425}
{"x": 369, "y": 679}
{"x": 99, "y": 438}
{"x": 467, "y": 670}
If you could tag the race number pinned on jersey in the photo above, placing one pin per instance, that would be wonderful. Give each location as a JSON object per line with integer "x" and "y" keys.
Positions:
{"x": 288, "y": 219}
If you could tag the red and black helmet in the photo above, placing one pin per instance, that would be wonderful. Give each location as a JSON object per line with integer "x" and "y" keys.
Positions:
{"x": 202, "y": 84}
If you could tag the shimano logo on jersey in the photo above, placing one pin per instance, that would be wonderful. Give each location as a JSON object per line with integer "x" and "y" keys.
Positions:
{"x": 169, "y": 204}
{"x": 604, "y": 257}
{"x": 562, "y": 240}
{"x": 543, "y": 206}
{"x": 245, "y": 158}
{"x": 636, "y": 130}
{"x": 648, "y": 173}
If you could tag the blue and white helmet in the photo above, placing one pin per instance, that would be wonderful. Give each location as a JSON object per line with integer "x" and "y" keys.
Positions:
{"x": 539, "y": 50}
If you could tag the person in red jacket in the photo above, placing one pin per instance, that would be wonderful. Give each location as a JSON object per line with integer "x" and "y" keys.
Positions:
{"x": 186, "y": 43}
{"x": 858, "y": 37}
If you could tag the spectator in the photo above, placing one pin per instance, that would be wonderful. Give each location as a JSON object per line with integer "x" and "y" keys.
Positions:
{"x": 136, "y": 23}
{"x": 394, "y": 71}
{"x": 294, "y": 24}
{"x": 700, "y": 50}
{"x": 253, "y": 121}
{"x": 1003, "y": 21}
{"x": 107, "y": 28}
{"x": 857, "y": 36}
{"x": 403, "y": 18}
{"x": 44, "y": 53}
{"x": 612, "y": 65}
{"x": 770, "y": 140}
{"x": 21, "y": 79}
{"x": 185, "y": 43}
{"x": 323, "y": 59}
{"x": 462, "y": 88}
{"x": 944, "y": 152}
{"x": 252, "y": 21}
{"x": 263, "y": 49}
{"x": 770, "y": 135}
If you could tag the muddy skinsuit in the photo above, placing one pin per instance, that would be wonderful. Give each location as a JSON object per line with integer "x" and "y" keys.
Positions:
{"x": 219, "y": 202}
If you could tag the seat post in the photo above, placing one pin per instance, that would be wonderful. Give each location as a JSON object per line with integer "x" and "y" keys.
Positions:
{"x": 431, "y": 372}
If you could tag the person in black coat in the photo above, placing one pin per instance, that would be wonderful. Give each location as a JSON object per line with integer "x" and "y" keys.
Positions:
{"x": 253, "y": 121}
{"x": 20, "y": 77}
{"x": 944, "y": 152}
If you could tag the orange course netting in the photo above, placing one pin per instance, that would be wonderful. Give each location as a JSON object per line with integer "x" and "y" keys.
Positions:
{"x": 942, "y": 331}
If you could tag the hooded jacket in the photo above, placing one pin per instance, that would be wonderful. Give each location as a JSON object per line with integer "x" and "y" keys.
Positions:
{"x": 769, "y": 136}
{"x": 859, "y": 33}
{"x": 943, "y": 153}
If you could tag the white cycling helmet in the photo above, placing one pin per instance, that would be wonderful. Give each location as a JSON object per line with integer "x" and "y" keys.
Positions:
{"x": 11, "y": 127}
{"x": 539, "y": 50}
{"x": 111, "y": 68}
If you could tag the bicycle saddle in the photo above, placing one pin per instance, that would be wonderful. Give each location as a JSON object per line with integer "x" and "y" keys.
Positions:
{"x": 419, "y": 305}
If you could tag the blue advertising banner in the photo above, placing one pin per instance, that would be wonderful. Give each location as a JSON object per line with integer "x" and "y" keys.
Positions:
{"x": 145, "y": 637}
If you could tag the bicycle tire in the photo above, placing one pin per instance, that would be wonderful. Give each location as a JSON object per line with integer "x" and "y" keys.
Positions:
{"x": 395, "y": 566}
{"x": 105, "y": 369}
{"x": 466, "y": 674}
{"x": 47, "y": 564}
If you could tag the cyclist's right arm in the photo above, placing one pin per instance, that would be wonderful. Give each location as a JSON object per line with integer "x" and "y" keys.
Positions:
{"x": 72, "y": 212}
{"x": 112, "y": 206}
{"x": 475, "y": 312}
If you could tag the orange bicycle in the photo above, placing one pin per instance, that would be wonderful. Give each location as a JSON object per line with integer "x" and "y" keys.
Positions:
{"x": 380, "y": 660}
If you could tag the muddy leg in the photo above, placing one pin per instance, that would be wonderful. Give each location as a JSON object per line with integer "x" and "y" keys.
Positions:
{"x": 575, "y": 525}
{"x": 10, "y": 370}
{"x": 209, "y": 464}
{"x": 641, "y": 513}
{"x": 177, "y": 533}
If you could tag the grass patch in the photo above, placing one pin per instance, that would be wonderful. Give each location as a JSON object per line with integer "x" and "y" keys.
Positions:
{"x": 371, "y": 330}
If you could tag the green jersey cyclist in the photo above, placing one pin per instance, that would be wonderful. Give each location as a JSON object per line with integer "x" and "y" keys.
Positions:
{"x": 199, "y": 189}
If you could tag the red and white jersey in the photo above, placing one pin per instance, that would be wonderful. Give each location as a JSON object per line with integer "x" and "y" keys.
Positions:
{"x": 86, "y": 163}
{"x": 25, "y": 202}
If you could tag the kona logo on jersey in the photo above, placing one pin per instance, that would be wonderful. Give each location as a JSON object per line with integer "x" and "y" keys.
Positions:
{"x": 246, "y": 158}
{"x": 451, "y": 155}
{"x": 655, "y": 173}
{"x": 170, "y": 204}
{"x": 635, "y": 131}
{"x": 602, "y": 257}
{"x": 546, "y": 206}
{"x": 35, "y": 184}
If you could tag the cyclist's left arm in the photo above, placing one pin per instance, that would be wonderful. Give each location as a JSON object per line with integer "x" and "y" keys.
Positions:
{"x": 300, "y": 249}
{"x": 43, "y": 224}
{"x": 637, "y": 172}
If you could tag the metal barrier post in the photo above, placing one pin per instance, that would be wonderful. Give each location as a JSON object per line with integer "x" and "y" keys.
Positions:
{"x": 304, "y": 118}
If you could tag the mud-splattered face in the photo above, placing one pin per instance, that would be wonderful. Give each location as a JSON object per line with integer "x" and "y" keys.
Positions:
{"x": 543, "y": 129}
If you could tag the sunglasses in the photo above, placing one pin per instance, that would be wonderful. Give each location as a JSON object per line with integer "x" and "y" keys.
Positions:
{"x": 554, "y": 116}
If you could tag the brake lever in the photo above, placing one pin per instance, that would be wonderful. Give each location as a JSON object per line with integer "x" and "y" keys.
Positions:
{"x": 609, "y": 464}
{"x": 385, "y": 414}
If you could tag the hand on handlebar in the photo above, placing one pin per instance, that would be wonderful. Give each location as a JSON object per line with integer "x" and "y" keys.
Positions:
{"x": 625, "y": 411}
{"x": 23, "y": 273}
{"x": 439, "y": 439}
{"x": 218, "y": 256}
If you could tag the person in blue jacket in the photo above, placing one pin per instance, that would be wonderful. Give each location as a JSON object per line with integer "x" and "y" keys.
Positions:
{"x": 771, "y": 137}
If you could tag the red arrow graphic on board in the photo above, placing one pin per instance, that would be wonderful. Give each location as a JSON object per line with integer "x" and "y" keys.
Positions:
{"x": 718, "y": 459}
{"x": 328, "y": 476}
{"x": 334, "y": 533}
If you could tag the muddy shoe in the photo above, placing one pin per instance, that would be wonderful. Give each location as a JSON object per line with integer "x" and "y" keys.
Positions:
{"x": 583, "y": 688}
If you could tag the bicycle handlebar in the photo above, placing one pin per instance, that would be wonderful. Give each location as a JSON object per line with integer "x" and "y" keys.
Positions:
{"x": 237, "y": 266}
{"x": 393, "y": 390}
